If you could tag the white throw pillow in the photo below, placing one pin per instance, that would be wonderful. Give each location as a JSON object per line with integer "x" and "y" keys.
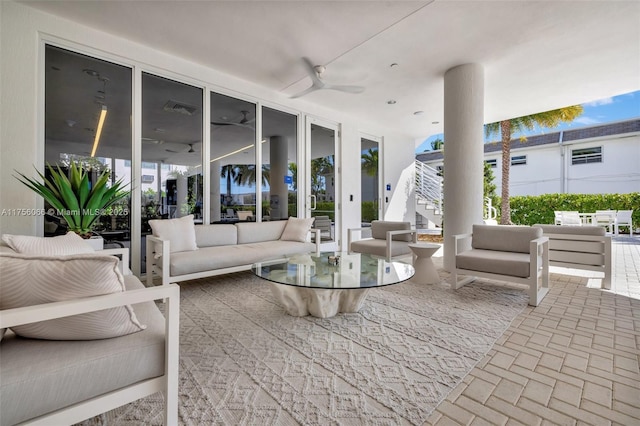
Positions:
{"x": 33, "y": 279}
{"x": 71, "y": 243}
{"x": 297, "y": 229}
{"x": 180, "y": 232}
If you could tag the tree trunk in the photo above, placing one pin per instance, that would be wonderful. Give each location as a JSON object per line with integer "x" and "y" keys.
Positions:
{"x": 505, "y": 130}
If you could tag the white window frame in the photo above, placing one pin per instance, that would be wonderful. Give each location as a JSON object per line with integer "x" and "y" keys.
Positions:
{"x": 596, "y": 156}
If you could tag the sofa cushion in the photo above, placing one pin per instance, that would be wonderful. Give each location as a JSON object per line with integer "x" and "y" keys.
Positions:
{"x": 497, "y": 262}
{"x": 180, "y": 232}
{"x": 70, "y": 243}
{"x": 256, "y": 232}
{"x": 297, "y": 229}
{"x": 504, "y": 237}
{"x": 216, "y": 235}
{"x": 209, "y": 258}
{"x": 378, "y": 247}
{"x": 379, "y": 229}
{"x": 31, "y": 280}
{"x": 40, "y": 376}
{"x": 573, "y": 230}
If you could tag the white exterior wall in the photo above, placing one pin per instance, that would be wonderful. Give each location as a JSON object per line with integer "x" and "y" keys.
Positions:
{"x": 22, "y": 32}
{"x": 548, "y": 172}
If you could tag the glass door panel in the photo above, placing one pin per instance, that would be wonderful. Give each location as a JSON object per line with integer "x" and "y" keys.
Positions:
{"x": 171, "y": 178}
{"x": 370, "y": 181}
{"x": 88, "y": 119}
{"x": 233, "y": 160}
{"x": 322, "y": 182}
{"x": 279, "y": 165}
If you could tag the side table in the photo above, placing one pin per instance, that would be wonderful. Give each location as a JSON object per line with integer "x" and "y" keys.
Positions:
{"x": 426, "y": 272}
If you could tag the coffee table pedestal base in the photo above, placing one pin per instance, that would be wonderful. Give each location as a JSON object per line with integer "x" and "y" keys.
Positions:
{"x": 321, "y": 303}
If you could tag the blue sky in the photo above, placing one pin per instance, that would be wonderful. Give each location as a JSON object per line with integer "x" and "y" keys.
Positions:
{"x": 605, "y": 110}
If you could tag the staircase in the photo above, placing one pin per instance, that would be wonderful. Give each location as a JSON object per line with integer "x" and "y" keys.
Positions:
{"x": 428, "y": 196}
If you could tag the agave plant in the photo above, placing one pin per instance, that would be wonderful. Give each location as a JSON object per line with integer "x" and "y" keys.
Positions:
{"x": 74, "y": 198}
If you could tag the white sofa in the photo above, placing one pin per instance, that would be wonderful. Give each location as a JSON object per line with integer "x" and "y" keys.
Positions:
{"x": 223, "y": 249}
{"x": 518, "y": 254}
{"x": 66, "y": 381}
{"x": 580, "y": 247}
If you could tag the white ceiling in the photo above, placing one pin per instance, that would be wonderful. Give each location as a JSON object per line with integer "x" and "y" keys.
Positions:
{"x": 537, "y": 55}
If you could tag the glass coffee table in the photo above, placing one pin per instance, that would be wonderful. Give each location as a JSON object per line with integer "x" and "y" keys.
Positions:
{"x": 312, "y": 285}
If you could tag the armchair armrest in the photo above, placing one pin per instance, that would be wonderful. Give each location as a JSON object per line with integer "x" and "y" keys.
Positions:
{"x": 53, "y": 310}
{"x": 538, "y": 247}
{"x": 155, "y": 256}
{"x": 316, "y": 234}
{"x": 124, "y": 260}
{"x": 456, "y": 239}
{"x": 389, "y": 238}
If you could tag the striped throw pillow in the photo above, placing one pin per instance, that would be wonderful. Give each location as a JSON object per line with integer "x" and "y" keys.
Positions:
{"x": 34, "y": 279}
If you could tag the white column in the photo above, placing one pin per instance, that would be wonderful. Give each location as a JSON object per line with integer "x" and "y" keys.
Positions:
{"x": 278, "y": 163}
{"x": 463, "y": 153}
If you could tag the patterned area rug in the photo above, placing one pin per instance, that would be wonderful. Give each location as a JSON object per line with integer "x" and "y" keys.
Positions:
{"x": 243, "y": 360}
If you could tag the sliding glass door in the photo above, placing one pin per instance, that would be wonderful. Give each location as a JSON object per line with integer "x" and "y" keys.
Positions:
{"x": 171, "y": 167}
{"x": 369, "y": 181}
{"x": 322, "y": 180}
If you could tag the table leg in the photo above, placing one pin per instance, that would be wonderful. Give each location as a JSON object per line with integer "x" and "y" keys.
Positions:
{"x": 426, "y": 272}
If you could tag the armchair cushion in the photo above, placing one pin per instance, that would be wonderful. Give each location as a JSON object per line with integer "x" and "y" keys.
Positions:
{"x": 34, "y": 371}
{"x": 504, "y": 238}
{"x": 180, "y": 232}
{"x": 494, "y": 262}
{"x": 70, "y": 243}
{"x": 297, "y": 229}
{"x": 379, "y": 229}
{"x": 32, "y": 279}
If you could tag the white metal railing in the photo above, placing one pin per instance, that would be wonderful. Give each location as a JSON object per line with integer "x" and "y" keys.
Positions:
{"x": 429, "y": 186}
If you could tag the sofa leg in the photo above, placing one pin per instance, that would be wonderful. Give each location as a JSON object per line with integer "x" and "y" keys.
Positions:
{"x": 457, "y": 284}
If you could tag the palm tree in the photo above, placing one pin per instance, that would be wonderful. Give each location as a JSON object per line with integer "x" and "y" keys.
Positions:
{"x": 547, "y": 119}
{"x": 246, "y": 174}
{"x": 437, "y": 144}
{"x": 369, "y": 164}
{"x": 230, "y": 172}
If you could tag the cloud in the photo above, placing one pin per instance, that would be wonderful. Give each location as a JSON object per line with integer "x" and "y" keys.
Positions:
{"x": 586, "y": 120}
{"x": 605, "y": 101}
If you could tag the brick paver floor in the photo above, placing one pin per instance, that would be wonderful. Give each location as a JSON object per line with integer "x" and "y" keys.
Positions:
{"x": 572, "y": 360}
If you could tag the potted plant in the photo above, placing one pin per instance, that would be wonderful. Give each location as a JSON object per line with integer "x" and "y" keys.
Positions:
{"x": 75, "y": 198}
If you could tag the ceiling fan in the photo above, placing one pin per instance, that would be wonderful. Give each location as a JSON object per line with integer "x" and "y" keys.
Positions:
{"x": 179, "y": 152}
{"x": 315, "y": 73}
{"x": 244, "y": 121}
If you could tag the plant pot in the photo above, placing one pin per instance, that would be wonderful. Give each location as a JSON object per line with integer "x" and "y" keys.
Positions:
{"x": 96, "y": 242}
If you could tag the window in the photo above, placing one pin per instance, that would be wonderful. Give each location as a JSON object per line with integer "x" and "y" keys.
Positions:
{"x": 147, "y": 178}
{"x": 519, "y": 160}
{"x": 493, "y": 163}
{"x": 586, "y": 155}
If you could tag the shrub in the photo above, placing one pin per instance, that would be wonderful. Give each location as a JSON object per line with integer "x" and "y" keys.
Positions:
{"x": 532, "y": 209}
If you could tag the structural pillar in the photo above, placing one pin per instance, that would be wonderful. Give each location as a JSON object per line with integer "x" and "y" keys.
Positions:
{"x": 463, "y": 153}
{"x": 279, "y": 191}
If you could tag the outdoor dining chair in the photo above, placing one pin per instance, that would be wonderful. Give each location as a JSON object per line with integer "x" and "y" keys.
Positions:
{"x": 606, "y": 219}
{"x": 623, "y": 218}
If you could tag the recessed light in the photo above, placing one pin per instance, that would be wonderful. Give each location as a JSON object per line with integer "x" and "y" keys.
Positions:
{"x": 435, "y": 122}
{"x": 391, "y": 102}
{"x": 92, "y": 73}
{"x": 418, "y": 113}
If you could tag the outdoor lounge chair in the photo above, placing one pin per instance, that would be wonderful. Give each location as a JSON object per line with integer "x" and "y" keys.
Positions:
{"x": 623, "y": 218}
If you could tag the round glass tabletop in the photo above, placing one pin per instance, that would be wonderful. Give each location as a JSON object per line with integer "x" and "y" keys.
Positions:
{"x": 352, "y": 271}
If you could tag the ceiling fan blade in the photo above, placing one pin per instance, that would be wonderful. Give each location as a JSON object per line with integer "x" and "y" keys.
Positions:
{"x": 311, "y": 70}
{"x": 347, "y": 89}
{"x": 222, "y": 123}
{"x": 305, "y": 92}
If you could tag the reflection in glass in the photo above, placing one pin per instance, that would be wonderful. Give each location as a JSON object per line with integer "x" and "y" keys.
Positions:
{"x": 79, "y": 90}
{"x": 233, "y": 166}
{"x": 369, "y": 180}
{"x": 323, "y": 182}
{"x": 280, "y": 188}
{"x": 171, "y": 178}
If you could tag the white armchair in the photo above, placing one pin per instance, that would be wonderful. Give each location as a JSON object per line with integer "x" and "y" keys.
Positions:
{"x": 606, "y": 219}
{"x": 623, "y": 218}
{"x": 389, "y": 240}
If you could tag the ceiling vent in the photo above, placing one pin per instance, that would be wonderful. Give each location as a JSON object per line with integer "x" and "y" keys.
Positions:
{"x": 179, "y": 107}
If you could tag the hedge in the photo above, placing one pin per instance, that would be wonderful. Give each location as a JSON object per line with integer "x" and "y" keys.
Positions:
{"x": 529, "y": 210}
